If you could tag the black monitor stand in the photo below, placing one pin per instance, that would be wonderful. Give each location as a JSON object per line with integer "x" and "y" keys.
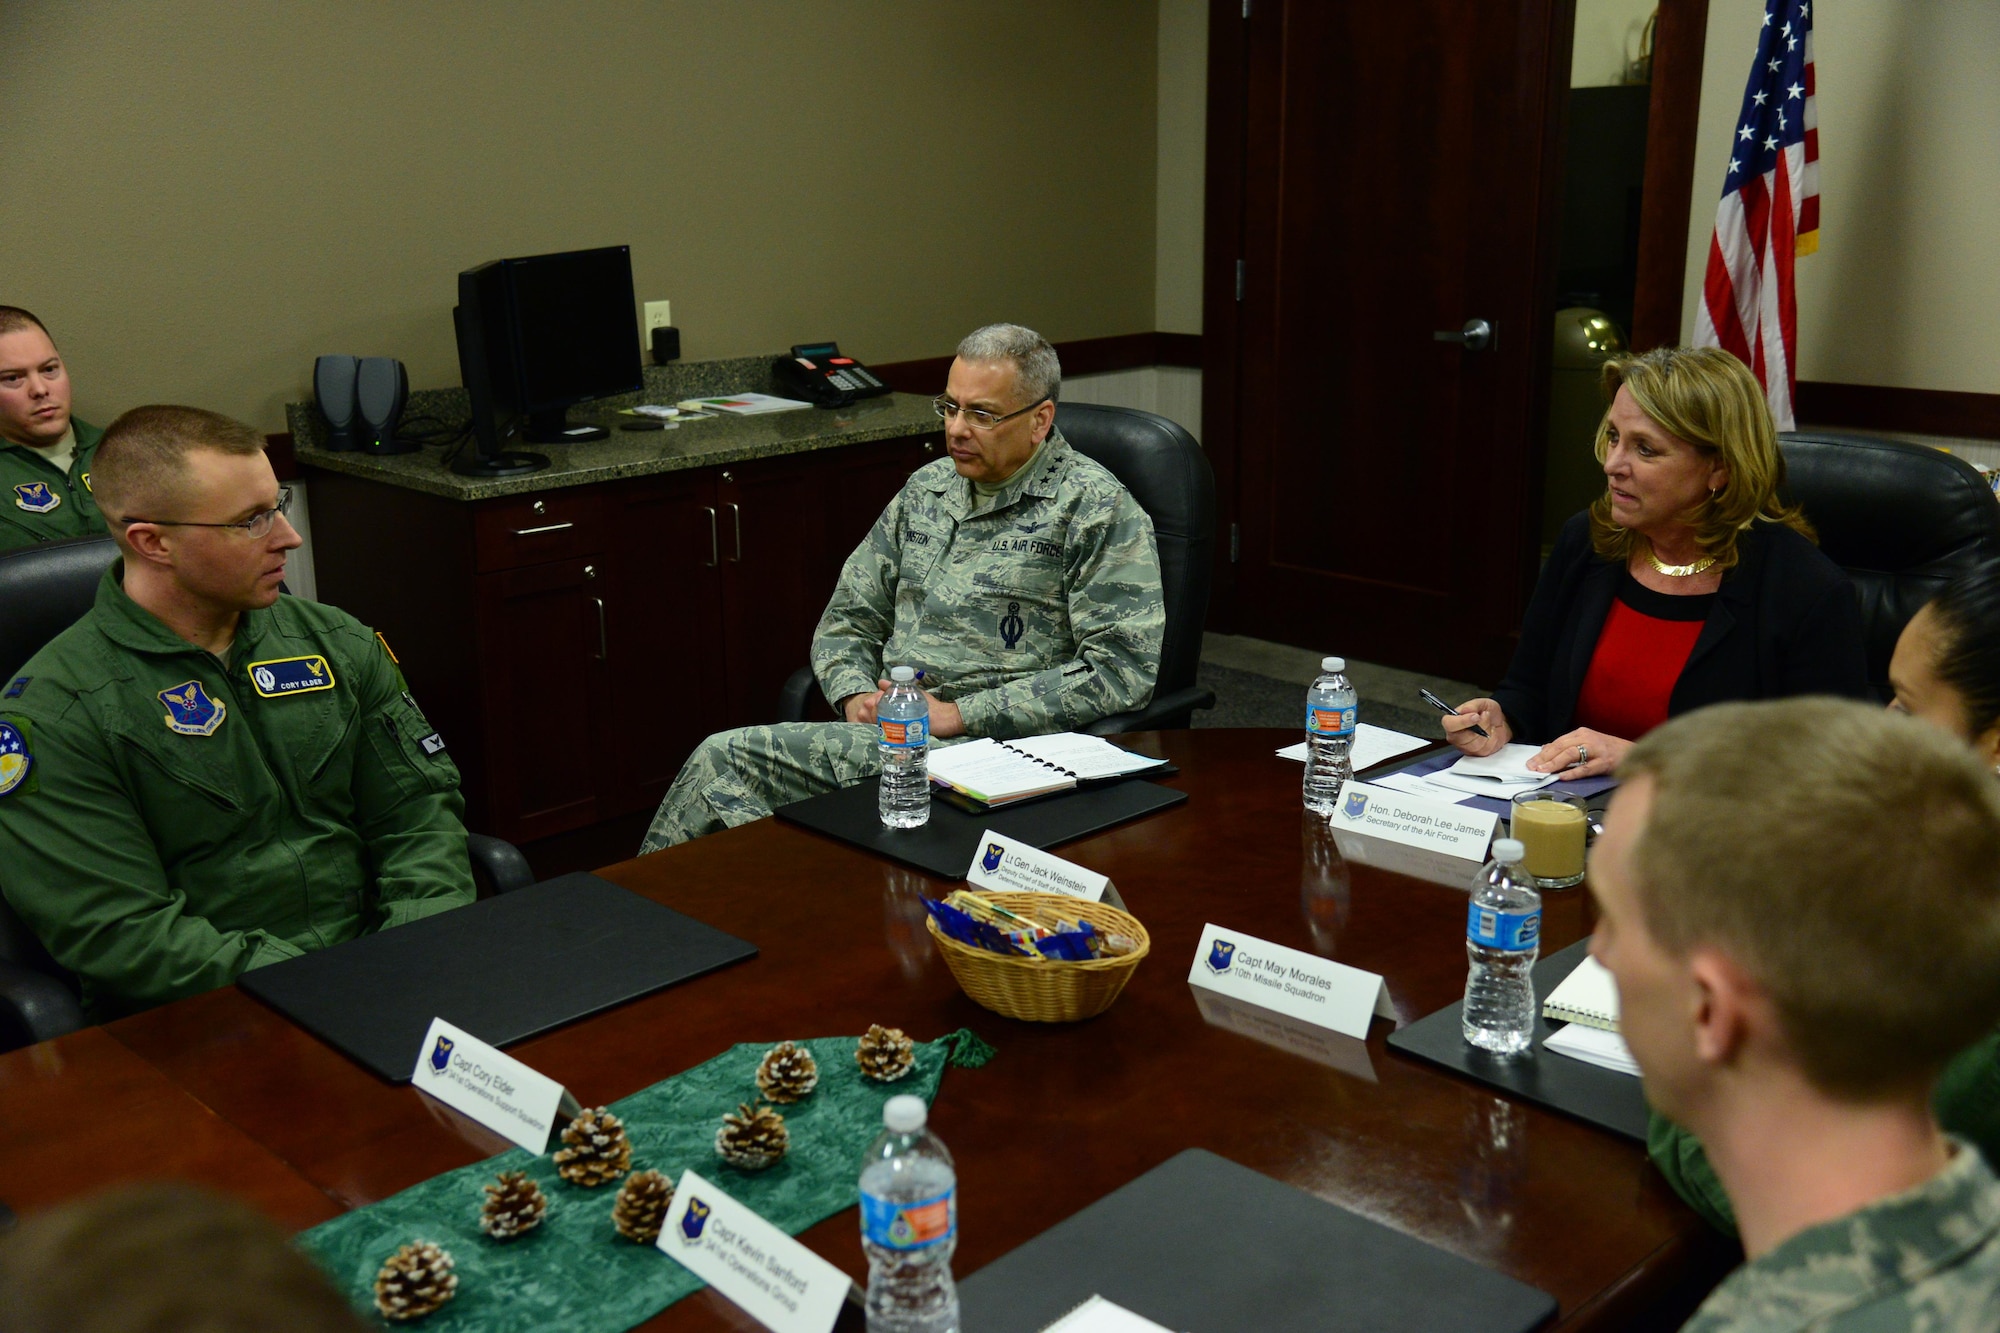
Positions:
{"x": 504, "y": 463}
{"x": 553, "y": 426}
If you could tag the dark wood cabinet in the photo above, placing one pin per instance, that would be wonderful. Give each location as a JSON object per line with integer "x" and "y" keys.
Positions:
{"x": 574, "y": 645}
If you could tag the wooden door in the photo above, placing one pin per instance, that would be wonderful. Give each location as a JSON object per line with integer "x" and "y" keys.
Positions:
{"x": 1397, "y": 177}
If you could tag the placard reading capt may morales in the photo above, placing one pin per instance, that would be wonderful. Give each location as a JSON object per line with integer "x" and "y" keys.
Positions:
{"x": 1298, "y": 984}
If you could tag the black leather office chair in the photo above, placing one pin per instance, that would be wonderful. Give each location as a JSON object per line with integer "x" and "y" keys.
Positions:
{"x": 1902, "y": 519}
{"x": 43, "y": 591}
{"x": 1169, "y": 475}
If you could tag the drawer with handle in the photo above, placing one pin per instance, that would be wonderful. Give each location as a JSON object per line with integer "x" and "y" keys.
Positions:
{"x": 530, "y": 529}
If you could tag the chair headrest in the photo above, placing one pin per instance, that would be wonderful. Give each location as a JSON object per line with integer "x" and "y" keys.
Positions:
{"x": 1889, "y": 506}
{"x": 1159, "y": 462}
{"x": 46, "y": 589}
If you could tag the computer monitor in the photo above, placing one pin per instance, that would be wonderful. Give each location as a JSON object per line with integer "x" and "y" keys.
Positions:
{"x": 557, "y": 330}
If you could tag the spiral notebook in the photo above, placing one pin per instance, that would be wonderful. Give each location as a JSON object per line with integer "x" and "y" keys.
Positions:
{"x": 1588, "y": 996}
{"x": 995, "y": 772}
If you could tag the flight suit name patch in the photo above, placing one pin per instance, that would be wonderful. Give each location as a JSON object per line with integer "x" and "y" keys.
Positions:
{"x": 15, "y": 761}
{"x": 291, "y": 675}
{"x": 36, "y": 497}
{"x": 190, "y": 711}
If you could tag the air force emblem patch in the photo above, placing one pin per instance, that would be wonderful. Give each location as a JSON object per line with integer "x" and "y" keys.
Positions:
{"x": 693, "y": 1220}
{"x": 291, "y": 675}
{"x": 1011, "y": 627}
{"x": 991, "y": 861}
{"x": 1220, "y": 955}
{"x": 1357, "y": 802}
{"x": 36, "y": 497}
{"x": 441, "y": 1054}
{"x": 190, "y": 711}
{"x": 15, "y": 761}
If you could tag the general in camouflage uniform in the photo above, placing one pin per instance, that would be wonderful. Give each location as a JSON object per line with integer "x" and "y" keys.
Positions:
{"x": 1032, "y": 604}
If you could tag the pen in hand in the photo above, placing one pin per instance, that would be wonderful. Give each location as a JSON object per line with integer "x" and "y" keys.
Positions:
{"x": 1444, "y": 707}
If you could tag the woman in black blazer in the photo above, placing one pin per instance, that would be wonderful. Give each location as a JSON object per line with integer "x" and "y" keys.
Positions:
{"x": 1687, "y": 582}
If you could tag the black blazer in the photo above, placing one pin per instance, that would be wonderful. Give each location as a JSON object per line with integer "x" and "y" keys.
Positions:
{"x": 1785, "y": 621}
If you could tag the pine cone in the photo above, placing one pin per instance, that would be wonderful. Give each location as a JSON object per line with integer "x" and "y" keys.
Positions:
{"x": 788, "y": 1073}
{"x": 513, "y": 1206}
{"x": 598, "y": 1150}
{"x": 642, "y": 1206}
{"x": 416, "y": 1280}
{"x": 885, "y": 1054}
{"x": 753, "y": 1139}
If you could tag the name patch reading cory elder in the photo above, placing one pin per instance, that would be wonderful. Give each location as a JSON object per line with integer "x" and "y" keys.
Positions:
{"x": 1290, "y": 981}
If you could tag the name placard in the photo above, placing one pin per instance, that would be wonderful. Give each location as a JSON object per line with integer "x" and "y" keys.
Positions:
{"x": 1294, "y": 983}
{"x": 1415, "y": 821}
{"x": 495, "y": 1089}
{"x": 1003, "y": 863}
{"x": 775, "y": 1280}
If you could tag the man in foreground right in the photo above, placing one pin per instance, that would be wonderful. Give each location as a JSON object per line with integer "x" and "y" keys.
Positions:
{"x": 1803, "y": 931}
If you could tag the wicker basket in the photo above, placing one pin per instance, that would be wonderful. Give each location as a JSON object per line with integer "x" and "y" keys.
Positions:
{"x": 1039, "y": 990}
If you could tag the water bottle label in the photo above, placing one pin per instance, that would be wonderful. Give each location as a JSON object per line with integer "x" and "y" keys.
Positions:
{"x": 1510, "y": 932}
{"x": 909, "y": 1226}
{"x": 1330, "y": 721}
{"x": 906, "y": 735}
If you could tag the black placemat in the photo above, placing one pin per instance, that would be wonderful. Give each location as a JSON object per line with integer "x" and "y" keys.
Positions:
{"x": 944, "y": 846}
{"x": 1603, "y": 1097}
{"x": 503, "y": 969}
{"x": 1200, "y": 1242}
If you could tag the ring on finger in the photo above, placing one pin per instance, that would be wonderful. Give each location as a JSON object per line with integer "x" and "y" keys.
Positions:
{"x": 1583, "y": 754}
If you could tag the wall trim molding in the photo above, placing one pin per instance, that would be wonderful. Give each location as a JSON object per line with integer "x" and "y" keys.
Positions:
{"x": 1881, "y": 407}
{"x": 1080, "y": 356}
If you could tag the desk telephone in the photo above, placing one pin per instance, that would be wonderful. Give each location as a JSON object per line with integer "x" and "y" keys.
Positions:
{"x": 818, "y": 373}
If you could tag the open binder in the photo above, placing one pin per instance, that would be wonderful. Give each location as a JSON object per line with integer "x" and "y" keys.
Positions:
{"x": 995, "y": 773}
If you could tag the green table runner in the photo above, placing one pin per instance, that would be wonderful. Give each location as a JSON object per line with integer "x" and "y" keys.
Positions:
{"x": 575, "y": 1271}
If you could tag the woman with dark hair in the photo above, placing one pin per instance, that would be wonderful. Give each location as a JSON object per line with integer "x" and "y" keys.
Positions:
{"x": 1945, "y": 671}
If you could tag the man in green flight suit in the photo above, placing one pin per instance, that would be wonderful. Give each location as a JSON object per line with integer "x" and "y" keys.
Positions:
{"x": 1804, "y": 929}
{"x": 1021, "y": 578}
{"x": 45, "y": 453}
{"x": 201, "y": 776}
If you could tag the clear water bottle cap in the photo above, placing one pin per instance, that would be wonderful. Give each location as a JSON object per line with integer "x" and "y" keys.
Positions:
{"x": 1333, "y": 664}
{"x": 1508, "y": 850}
{"x": 905, "y": 1114}
{"x": 902, "y": 675}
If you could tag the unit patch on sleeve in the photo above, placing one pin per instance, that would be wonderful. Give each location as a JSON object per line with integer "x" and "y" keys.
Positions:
{"x": 16, "y": 763}
{"x": 36, "y": 497}
{"x": 190, "y": 711}
{"x": 291, "y": 675}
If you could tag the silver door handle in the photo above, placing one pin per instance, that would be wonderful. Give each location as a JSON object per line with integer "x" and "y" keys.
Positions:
{"x": 551, "y": 527}
{"x": 1476, "y": 336}
{"x": 603, "y": 639}
{"x": 714, "y": 543}
{"x": 736, "y": 515}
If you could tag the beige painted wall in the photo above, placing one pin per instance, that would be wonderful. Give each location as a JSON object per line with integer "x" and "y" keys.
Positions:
{"x": 1903, "y": 289}
{"x": 1183, "y": 146}
{"x": 202, "y": 196}
{"x": 1609, "y": 35}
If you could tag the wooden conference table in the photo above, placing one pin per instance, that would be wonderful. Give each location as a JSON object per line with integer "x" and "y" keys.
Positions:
{"x": 221, "y": 1090}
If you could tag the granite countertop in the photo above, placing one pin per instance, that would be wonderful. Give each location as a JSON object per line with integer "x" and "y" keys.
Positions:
{"x": 704, "y": 443}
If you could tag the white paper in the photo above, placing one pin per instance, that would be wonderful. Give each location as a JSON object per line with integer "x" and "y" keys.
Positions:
{"x": 743, "y": 404}
{"x": 1294, "y": 983}
{"x": 493, "y": 1088}
{"x": 775, "y": 1280}
{"x": 1606, "y": 1050}
{"x": 1087, "y": 757}
{"x": 1372, "y": 745}
{"x": 1098, "y": 1315}
{"x": 991, "y": 771}
{"x": 1496, "y": 789}
{"x": 1509, "y": 763}
{"x": 1001, "y": 862}
{"x": 1433, "y": 824}
{"x": 1588, "y": 989}
{"x": 1417, "y": 785}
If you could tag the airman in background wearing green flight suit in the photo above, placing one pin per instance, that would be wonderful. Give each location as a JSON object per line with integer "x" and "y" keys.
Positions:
{"x": 45, "y": 453}
{"x": 201, "y": 776}
{"x": 1021, "y": 577}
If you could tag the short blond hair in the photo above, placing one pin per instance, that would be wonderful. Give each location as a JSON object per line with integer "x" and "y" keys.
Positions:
{"x": 141, "y": 464}
{"x": 1849, "y": 859}
{"x": 1710, "y": 399}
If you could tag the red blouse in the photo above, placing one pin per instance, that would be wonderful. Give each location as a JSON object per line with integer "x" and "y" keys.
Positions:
{"x": 1646, "y": 641}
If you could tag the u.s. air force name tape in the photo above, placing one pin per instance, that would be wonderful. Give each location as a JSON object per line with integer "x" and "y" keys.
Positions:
{"x": 775, "y": 1280}
{"x": 1414, "y": 821}
{"x": 495, "y": 1089}
{"x": 1294, "y": 983}
{"x": 1002, "y": 863}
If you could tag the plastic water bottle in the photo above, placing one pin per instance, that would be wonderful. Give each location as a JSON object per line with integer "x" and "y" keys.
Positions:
{"x": 904, "y": 715}
{"x": 1329, "y": 735}
{"x": 1503, "y": 934}
{"x": 909, "y": 1224}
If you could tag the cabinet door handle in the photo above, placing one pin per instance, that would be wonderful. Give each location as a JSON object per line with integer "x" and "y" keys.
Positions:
{"x": 603, "y": 638}
{"x": 736, "y": 515}
{"x": 547, "y": 527}
{"x": 714, "y": 542}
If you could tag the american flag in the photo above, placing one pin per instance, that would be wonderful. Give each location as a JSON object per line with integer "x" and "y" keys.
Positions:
{"x": 1770, "y": 211}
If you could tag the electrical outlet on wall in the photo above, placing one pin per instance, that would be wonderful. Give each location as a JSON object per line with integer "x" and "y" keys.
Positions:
{"x": 659, "y": 315}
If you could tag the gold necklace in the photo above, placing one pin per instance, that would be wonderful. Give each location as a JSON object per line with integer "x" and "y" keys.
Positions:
{"x": 1678, "y": 571}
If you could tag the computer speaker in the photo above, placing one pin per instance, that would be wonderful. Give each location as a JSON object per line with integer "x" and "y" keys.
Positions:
{"x": 381, "y": 389}
{"x": 666, "y": 344}
{"x": 334, "y": 389}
